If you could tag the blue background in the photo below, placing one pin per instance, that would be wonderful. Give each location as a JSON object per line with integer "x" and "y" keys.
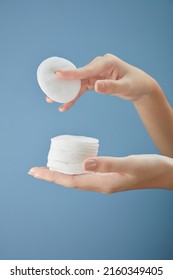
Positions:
{"x": 40, "y": 220}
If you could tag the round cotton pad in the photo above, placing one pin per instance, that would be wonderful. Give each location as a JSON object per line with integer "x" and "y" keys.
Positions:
{"x": 57, "y": 89}
{"x": 68, "y": 152}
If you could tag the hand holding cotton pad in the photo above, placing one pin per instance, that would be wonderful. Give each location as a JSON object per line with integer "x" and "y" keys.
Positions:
{"x": 68, "y": 152}
{"x": 58, "y": 90}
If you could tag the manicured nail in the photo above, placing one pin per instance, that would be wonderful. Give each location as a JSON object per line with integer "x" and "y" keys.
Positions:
{"x": 90, "y": 164}
{"x": 101, "y": 86}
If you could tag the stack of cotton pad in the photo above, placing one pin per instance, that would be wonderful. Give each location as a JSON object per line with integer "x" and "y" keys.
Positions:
{"x": 67, "y": 153}
{"x": 58, "y": 90}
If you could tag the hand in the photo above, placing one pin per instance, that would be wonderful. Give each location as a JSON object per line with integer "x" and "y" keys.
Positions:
{"x": 110, "y": 175}
{"x": 108, "y": 75}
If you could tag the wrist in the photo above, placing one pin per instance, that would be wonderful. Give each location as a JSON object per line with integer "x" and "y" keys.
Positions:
{"x": 151, "y": 92}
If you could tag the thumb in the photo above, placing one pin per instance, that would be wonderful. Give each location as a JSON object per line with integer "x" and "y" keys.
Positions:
{"x": 108, "y": 86}
{"x": 107, "y": 164}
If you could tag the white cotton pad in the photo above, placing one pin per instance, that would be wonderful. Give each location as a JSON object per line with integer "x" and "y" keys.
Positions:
{"x": 62, "y": 155}
{"x": 57, "y": 89}
{"x": 66, "y": 168}
{"x": 68, "y": 152}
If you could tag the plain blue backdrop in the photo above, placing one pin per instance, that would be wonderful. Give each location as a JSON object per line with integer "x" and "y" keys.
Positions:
{"x": 40, "y": 220}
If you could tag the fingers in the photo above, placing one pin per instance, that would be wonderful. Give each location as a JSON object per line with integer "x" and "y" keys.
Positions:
{"x": 55, "y": 177}
{"x": 107, "y": 164}
{"x": 109, "y": 86}
{"x": 66, "y": 106}
{"x": 93, "y": 69}
{"x": 76, "y": 74}
{"x": 99, "y": 182}
{"x": 48, "y": 100}
{"x": 69, "y": 104}
{"x": 84, "y": 181}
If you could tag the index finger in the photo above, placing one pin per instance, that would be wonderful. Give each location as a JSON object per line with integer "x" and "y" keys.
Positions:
{"x": 94, "y": 68}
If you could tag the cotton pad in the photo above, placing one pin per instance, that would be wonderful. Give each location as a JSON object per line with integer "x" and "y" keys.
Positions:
{"x": 57, "y": 89}
{"x": 68, "y": 152}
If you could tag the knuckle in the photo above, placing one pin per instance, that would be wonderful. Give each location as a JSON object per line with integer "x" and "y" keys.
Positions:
{"x": 108, "y": 166}
{"x": 97, "y": 58}
{"x": 131, "y": 159}
{"x": 109, "y": 87}
{"x": 105, "y": 165}
{"x": 112, "y": 87}
{"x": 109, "y": 55}
{"x": 110, "y": 58}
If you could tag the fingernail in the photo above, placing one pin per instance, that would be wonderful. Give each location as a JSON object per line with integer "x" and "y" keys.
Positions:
{"x": 101, "y": 85}
{"x": 61, "y": 108}
{"x": 58, "y": 72}
{"x": 31, "y": 172}
{"x": 90, "y": 164}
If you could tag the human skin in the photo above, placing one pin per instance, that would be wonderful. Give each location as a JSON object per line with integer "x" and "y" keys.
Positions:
{"x": 111, "y": 75}
{"x": 115, "y": 174}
